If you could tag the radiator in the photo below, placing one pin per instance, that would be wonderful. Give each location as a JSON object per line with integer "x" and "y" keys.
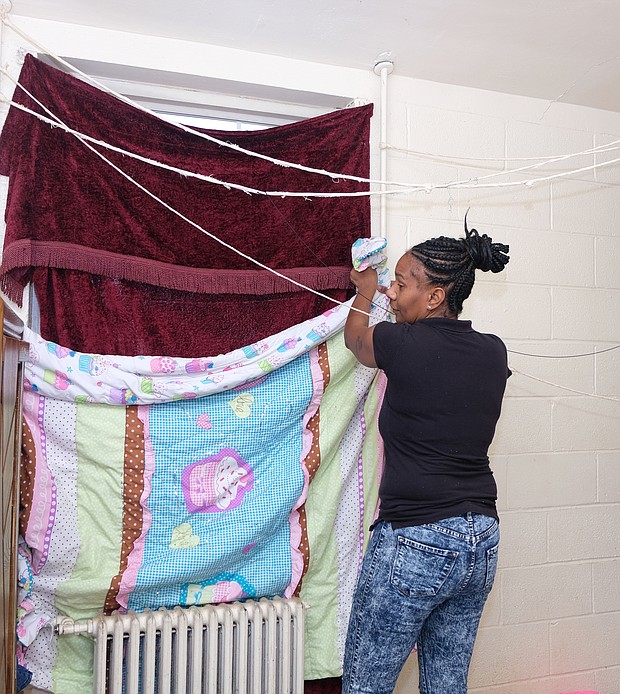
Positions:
{"x": 235, "y": 648}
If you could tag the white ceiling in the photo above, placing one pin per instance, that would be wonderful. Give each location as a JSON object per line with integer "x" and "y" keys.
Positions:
{"x": 566, "y": 50}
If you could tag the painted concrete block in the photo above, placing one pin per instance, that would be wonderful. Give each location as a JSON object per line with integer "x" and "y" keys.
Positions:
{"x": 540, "y": 480}
{"x": 586, "y": 532}
{"x": 548, "y": 592}
{"x": 585, "y": 643}
{"x": 523, "y": 538}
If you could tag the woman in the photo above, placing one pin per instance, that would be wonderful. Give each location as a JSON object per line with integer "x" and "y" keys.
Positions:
{"x": 431, "y": 561}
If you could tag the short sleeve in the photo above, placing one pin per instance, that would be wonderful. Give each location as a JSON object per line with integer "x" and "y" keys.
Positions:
{"x": 505, "y": 353}
{"x": 387, "y": 344}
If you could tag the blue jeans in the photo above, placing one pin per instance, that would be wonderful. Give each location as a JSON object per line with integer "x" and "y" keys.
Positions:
{"x": 424, "y": 584}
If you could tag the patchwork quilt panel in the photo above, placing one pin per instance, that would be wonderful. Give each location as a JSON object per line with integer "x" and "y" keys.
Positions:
{"x": 160, "y": 481}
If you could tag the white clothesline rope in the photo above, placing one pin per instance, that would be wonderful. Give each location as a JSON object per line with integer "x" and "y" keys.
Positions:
{"x": 468, "y": 184}
{"x": 57, "y": 122}
{"x": 566, "y": 356}
{"x": 223, "y": 143}
{"x": 572, "y": 390}
{"x": 77, "y": 135}
{"x": 407, "y": 186}
{"x": 599, "y": 149}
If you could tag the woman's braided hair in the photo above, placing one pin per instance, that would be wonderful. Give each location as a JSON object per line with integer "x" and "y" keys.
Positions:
{"x": 452, "y": 262}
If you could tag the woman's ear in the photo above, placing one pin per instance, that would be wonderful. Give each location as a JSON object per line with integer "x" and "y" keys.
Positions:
{"x": 436, "y": 297}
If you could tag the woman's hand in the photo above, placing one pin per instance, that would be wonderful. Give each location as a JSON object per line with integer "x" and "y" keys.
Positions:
{"x": 365, "y": 281}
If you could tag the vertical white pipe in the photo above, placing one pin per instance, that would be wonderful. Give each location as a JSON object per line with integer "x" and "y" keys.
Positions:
{"x": 383, "y": 68}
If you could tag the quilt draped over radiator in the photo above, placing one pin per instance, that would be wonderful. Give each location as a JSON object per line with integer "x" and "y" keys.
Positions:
{"x": 151, "y": 481}
{"x": 134, "y": 273}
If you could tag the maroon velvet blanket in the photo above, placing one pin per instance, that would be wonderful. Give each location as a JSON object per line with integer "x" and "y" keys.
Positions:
{"x": 116, "y": 272}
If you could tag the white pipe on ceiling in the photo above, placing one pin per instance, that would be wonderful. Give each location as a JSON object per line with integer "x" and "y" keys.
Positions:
{"x": 383, "y": 68}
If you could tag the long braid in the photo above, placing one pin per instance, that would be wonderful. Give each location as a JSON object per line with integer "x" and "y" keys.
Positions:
{"x": 452, "y": 263}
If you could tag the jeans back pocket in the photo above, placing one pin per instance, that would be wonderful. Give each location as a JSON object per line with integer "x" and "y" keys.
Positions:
{"x": 420, "y": 570}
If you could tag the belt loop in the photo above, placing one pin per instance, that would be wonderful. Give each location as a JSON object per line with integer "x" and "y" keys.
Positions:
{"x": 472, "y": 532}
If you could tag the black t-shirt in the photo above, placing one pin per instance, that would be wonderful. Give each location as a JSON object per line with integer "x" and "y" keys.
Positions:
{"x": 445, "y": 384}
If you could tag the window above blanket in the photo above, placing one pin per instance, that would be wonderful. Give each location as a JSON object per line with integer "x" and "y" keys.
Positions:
{"x": 210, "y": 102}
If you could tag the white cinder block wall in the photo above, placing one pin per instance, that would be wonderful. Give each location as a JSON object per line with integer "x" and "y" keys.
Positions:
{"x": 552, "y": 623}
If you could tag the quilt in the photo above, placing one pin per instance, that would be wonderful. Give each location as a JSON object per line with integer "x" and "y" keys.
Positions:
{"x": 150, "y": 481}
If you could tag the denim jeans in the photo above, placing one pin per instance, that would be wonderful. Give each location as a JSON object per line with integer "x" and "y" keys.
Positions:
{"x": 424, "y": 584}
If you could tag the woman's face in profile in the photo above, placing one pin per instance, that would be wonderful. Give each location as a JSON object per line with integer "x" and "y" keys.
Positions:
{"x": 410, "y": 291}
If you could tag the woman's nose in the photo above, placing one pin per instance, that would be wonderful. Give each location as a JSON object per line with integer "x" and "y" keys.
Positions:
{"x": 390, "y": 293}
